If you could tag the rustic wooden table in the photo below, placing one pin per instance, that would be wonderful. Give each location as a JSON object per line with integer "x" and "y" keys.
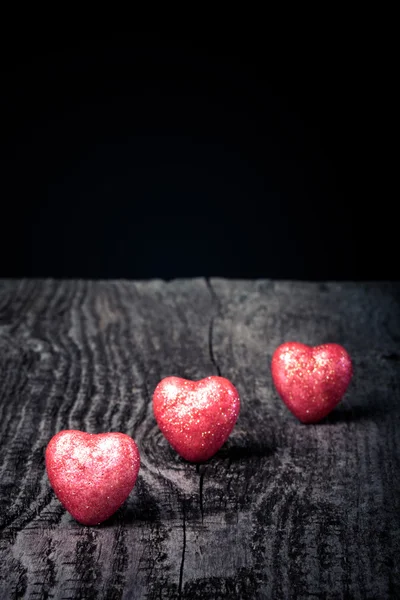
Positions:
{"x": 284, "y": 510}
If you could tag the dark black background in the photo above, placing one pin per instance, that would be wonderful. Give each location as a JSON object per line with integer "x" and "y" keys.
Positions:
{"x": 236, "y": 154}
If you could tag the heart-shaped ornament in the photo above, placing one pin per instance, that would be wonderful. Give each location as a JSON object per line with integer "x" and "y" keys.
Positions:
{"x": 196, "y": 417}
{"x": 311, "y": 380}
{"x": 92, "y": 474}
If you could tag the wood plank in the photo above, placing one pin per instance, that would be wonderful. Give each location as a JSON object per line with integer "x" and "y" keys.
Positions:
{"x": 284, "y": 510}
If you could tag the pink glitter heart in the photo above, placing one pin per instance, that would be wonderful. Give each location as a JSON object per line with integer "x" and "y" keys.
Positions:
{"x": 92, "y": 474}
{"x": 196, "y": 417}
{"x": 311, "y": 380}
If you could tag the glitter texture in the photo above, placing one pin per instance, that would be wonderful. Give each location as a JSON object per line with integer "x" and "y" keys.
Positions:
{"x": 196, "y": 417}
{"x": 92, "y": 474}
{"x": 311, "y": 380}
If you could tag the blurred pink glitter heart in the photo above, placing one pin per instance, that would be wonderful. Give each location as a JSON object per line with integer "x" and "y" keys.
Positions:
{"x": 92, "y": 474}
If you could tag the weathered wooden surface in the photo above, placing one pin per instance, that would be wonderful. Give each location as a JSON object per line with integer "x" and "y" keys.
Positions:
{"x": 284, "y": 510}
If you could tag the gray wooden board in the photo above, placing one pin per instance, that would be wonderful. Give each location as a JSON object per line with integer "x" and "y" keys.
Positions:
{"x": 284, "y": 510}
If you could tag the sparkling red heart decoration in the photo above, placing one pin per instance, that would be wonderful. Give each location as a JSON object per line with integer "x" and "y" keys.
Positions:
{"x": 311, "y": 380}
{"x": 92, "y": 474}
{"x": 196, "y": 417}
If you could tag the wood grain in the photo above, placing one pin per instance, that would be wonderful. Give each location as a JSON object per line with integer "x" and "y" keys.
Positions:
{"x": 284, "y": 510}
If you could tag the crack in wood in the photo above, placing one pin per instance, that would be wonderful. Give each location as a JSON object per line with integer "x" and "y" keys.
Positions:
{"x": 201, "y": 495}
{"x": 200, "y": 470}
{"x": 183, "y": 550}
{"x": 215, "y": 303}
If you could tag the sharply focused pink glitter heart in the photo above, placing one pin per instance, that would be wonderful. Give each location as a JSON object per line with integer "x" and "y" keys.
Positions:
{"x": 196, "y": 417}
